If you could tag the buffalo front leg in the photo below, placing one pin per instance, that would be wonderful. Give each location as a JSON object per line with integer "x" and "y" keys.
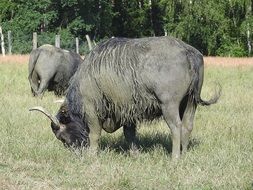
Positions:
{"x": 130, "y": 134}
{"x": 94, "y": 130}
{"x": 172, "y": 118}
{"x": 94, "y": 135}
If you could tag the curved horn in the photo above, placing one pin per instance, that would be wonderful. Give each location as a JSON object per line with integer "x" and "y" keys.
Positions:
{"x": 52, "y": 118}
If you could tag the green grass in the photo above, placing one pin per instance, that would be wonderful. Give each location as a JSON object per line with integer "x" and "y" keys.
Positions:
{"x": 220, "y": 155}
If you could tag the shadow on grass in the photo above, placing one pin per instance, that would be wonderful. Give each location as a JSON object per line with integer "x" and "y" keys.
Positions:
{"x": 145, "y": 143}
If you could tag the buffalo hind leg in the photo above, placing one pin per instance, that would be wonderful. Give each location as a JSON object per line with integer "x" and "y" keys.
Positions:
{"x": 34, "y": 82}
{"x": 187, "y": 123}
{"x": 170, "y": 111}
{"x": 42, "y": 87}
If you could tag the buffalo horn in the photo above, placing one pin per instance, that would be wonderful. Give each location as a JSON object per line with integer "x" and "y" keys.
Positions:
{"x": 52, "y": 118}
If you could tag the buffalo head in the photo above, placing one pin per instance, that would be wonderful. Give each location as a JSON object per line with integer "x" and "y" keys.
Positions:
{"x": 67, "y": 128}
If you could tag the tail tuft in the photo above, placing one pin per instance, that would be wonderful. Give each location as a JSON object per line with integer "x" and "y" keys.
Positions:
{"x": 214, "y": 98}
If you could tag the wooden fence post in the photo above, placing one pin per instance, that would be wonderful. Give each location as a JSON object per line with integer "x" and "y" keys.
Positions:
{"x": 35, "y": 41}
{"x": 9, "y": 43}
{"x": 89, "y": 42}
{"x": 77, "y": 45}
{"x": 57, "y": 41}
{"x": 2, "y": 41}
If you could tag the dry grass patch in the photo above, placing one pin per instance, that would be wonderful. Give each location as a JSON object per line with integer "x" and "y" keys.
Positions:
{"x": 17, "y": 59}
{"x": 228, "y": 61}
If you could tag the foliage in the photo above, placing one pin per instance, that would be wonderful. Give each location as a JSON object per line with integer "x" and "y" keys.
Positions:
{"x": 214, "y": 27}
{"x": 228, "y": 49}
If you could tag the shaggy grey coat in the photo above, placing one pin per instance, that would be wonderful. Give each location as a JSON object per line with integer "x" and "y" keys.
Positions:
{"x": 128, "y": 80}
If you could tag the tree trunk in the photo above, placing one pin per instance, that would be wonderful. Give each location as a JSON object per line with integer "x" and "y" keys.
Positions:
{"x": 77, "y": 45}
{"x": 9, "y": 42}
{"x": 89, "y": 42}
{"x": 2, "y": 41}
{"x": 249, "y": 14}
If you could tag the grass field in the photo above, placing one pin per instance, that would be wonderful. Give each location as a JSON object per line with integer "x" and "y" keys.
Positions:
{"x": 220, "y": 155}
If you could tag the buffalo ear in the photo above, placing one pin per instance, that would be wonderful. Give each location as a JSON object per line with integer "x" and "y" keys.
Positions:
{"x": 64, "y": 109}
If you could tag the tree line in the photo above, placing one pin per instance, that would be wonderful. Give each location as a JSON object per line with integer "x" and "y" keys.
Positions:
{"x": 216, "y": 28}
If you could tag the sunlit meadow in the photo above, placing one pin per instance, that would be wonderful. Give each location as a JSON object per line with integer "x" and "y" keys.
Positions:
{"x": 220, "y": 155}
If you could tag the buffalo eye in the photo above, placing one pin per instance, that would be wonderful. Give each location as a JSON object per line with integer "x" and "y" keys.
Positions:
{"x": 64, "y": 118}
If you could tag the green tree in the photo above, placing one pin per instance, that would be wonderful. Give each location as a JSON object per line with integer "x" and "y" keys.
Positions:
{"x": 131, "y": 18}
{"x": 214, "y": 27}
{"x": 6, "y": 10}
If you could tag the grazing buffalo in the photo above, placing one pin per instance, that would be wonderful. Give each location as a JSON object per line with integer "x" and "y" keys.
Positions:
{"x": 51, "y": 68}
{"x": 129, "y": 80}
